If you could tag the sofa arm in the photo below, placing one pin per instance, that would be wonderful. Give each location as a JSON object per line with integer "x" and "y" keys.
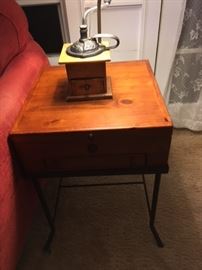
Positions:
{"x": 17, "y": 197}
{"x": 16, "y": 82}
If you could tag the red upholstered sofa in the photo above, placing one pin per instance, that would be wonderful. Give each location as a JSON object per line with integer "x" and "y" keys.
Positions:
{"x": 21, "y": 63}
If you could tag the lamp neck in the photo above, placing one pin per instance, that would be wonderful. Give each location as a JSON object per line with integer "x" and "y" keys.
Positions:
{"x": 99, "y": 16}
{"x": 98, "y": 7}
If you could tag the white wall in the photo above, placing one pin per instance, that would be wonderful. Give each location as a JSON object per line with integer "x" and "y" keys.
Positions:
{"x": 170, "y": 28}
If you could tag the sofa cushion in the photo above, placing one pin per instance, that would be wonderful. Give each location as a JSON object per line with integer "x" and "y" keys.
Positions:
{"x": 13, "y": 31}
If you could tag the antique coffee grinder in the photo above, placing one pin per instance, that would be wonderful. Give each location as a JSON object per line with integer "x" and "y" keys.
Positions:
{"x": 85, "y": 61}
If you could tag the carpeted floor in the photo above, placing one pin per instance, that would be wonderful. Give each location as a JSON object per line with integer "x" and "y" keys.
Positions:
{"x": 106, "y": 228}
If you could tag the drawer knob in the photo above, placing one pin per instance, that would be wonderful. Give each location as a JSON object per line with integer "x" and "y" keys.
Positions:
{"x": 86, "y": 87}
{"x": 90, "y": 136}
{"x": 92, "y": 148}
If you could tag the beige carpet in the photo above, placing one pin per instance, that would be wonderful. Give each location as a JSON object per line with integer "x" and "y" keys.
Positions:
{"x": 106, "y": 228}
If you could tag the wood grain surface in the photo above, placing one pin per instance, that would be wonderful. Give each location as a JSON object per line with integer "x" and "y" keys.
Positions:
{"x": 136, "y": 103}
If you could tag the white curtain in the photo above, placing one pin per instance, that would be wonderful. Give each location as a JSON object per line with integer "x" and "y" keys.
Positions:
{"x": 184, "y": 90}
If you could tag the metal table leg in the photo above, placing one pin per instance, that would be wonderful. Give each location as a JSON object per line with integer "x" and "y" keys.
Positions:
{"x": 152, "y": 213}
{"x": 46, "y": 212}
{"x": 151, "y": 208}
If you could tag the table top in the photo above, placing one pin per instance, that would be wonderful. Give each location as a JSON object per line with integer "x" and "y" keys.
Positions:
{"x": 136, "y": 103}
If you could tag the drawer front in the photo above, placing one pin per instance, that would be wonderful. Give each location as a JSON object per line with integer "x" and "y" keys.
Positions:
{"x": 91, "y": 151}
{"x": 86, "y": 87}
{"x": 94, "y": 162}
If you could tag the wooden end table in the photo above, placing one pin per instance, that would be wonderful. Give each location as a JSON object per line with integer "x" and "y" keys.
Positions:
{"x": 128, "y": 134}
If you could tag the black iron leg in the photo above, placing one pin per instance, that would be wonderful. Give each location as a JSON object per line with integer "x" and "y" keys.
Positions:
{"x": 153, "y": 209}
{"x": 46, "y": 212}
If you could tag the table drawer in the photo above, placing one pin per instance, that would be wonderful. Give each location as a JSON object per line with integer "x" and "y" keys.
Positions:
{"x": 129, "y": 149}
{"x": 94, "y": 162}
